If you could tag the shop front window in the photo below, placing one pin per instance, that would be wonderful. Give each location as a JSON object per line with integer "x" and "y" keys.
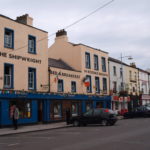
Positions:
{"x": 24, "y": 108}
{"x": 74, "y": 109}
{"x": 57, "y": 110}
{"x": 88, "y": 106}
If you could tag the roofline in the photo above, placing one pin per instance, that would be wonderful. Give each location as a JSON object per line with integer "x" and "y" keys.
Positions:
{"x": 143, "y": 70}
{"x": 22, "y": 23}
{"x": 88, "y": 46}
{"x": 64, "y": 69}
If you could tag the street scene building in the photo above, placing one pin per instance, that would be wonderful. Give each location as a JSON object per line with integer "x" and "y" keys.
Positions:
{"x": 46, "y": 82}
{"x": 22, "y": 58}
{"x": 79, "y": 70}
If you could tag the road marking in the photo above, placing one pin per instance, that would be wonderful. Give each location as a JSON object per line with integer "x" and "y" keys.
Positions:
{"x": 14, "y": 144}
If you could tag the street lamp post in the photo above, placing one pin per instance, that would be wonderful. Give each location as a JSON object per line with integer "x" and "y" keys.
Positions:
{"x": 122, "y": 83}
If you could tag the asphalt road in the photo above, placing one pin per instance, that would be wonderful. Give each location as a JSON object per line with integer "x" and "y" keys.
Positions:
{"x": 129, "y": 134}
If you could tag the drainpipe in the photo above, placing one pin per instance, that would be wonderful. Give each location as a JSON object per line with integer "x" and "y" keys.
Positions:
{"x": 49, "y": 80}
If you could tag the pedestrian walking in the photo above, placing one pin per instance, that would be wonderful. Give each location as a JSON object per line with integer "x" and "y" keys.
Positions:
{"x": 15, "y": 117}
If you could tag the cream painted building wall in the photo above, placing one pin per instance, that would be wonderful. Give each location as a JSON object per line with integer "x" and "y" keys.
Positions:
{"x": 132, "y": 78}
{"x": 67, "y": 76}
{"x": 19, "y": 56}
{"x": 74, "y": 55}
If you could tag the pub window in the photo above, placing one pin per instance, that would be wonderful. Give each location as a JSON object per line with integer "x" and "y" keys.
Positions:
{"x": 24, "y": 107}
{"x": 103, "y": 64}
{"x": 60, "y": 85}
{"x": 114, "y": 87}
{"x": 97, "y": 85}
{"x": 32, "y": 79}
{"x": 89, "y": 106}
{"x": 73, "y": 86}
{"x": 75, "y": 109}
{"x": 8, "y": 38}
{"x": 96, "y": 62}
{"x": 104, "y": 85}
{"x": 57, "y": 110}
{"x": 32, "y": 44}
{"x": 87, "y": 60}
{"x": 8, "y": 75}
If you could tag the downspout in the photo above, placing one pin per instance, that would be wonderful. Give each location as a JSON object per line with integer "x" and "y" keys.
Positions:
{"x": 49, "y": 79}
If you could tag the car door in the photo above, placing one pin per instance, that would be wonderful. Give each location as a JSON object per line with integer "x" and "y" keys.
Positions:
{"x": 88, "y": 117}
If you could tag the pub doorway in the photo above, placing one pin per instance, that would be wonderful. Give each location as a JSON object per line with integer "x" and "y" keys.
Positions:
{"x": 40, "y": 111}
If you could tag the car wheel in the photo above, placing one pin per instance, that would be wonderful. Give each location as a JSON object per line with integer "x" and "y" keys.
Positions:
{"x": 76, "y": 123}
{"x": 104, "y": 122}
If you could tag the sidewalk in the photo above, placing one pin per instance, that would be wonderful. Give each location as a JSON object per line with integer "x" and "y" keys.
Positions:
{"x": 32, "y": 128}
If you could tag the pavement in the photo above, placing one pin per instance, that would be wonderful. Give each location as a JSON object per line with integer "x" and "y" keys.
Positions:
{"x": 37, "y": 127}
{"x": 32, "y": 128}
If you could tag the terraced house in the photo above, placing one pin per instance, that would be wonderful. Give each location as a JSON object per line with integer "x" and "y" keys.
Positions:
{"x": 23, "y": 53}
{"x": 78, "y": 70}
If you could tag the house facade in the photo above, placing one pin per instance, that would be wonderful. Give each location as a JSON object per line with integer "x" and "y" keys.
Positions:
{"x": 80, "y": 71}
{"x": 23, "y": 53}
{"x": 118, "y": 84}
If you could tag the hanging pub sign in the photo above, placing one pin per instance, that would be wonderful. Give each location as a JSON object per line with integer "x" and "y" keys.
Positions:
{"x": 18, "y": 57}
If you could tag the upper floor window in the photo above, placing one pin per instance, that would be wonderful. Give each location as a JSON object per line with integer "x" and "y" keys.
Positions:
{"x": 97, "y": 85}
{"x": 103, "y": 64}
{"x": 130, "y": 74}
{"x": 96, "y": 62}
{"x": 8, "y": 38}
{"x": 87, "y": 60}
{"x": 8, "y": 75}
{"x": 32, "y": 44}
{"x": 73, "y": 86}
{"x": 89, "y": 83}
{"x": 114, "y": 87}
{"x": 121, "y": 72}
{"x": 104, "y": 85}
{"x": 114, "y": 71}
{"x": 60, "y": 85}
{"x": 32, "y": 79}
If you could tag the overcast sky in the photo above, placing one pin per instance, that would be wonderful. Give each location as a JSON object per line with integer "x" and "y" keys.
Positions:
{"x": 121, "y": 27}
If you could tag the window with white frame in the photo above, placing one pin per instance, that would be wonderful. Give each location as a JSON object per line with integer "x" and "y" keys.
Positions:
{"x": 31, "y": 44}
{"x": 87, "y": 60}
{"x": 103, "y": 64}
{"x": 73, "y": 86}
{"x": 60, "y": 85}
{"x": 32, "y": 79}
{"x": 97, "y": 85}
{"x": 8, "y": 38}
{"x": 104, "y": 85}
{"x": 8, "y": 76}
{"x": 96, "y": 66}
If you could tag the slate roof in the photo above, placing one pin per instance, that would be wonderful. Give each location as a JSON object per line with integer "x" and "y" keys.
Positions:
{"x": 58, "y": 63}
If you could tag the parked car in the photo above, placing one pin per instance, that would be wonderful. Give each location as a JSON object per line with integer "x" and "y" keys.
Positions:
{"x": 142, "y": 111}
{"x": 122, "y": 112}
{"x": 95, "y": 116}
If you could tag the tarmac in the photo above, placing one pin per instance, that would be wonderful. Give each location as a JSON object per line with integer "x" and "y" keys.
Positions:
{"x": 36, "y": 127}
{"x": 32, "y": 128}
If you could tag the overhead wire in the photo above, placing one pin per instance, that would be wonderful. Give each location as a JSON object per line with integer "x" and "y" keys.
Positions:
{"x": 72, "y": 24}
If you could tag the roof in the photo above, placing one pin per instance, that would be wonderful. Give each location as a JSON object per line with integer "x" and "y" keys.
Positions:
{"x": 117, "y": 61}
{"x": 88, "y": 46}
{"x": 21, "y": 23}
{"x": 58, "y": 63}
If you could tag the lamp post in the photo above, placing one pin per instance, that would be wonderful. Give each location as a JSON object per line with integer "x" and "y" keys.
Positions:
{"x": 122, "y": 84}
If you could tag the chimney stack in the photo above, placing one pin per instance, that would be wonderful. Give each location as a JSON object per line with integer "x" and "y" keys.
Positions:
{"x": 25, "y": 19}
{"x": 61, "y": 35}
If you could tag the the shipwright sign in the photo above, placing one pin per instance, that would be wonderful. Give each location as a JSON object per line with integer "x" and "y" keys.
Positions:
{"x": 18, "y": 57}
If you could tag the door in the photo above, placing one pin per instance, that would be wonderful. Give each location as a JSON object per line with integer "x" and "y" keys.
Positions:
{"x": 40, "y": 111}
{"x": 0, "y": 114}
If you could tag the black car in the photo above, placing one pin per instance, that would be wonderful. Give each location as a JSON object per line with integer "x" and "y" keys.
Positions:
{"x": 142, "y": 111}
{"x": 95, "y": 116}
